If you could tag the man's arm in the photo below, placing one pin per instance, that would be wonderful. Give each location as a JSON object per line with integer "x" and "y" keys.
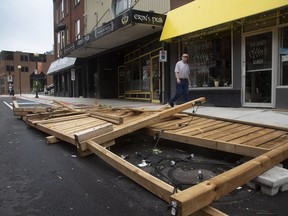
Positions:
{"x": 177, "y": 77}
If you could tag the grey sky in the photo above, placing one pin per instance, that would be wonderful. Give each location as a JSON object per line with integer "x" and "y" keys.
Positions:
{"x": 26, "y": 25}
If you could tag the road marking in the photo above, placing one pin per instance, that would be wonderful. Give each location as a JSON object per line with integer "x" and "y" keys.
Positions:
{"x": 8, "y": 105}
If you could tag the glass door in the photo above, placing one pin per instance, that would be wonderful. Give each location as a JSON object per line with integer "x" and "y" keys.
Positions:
{"x": 121, "y": 82}
{"x": 155, "y": 80}
{"x": 258, "y": 70}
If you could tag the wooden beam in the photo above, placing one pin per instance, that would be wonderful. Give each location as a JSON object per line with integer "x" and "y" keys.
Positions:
{"x": 143, "y": 122}
{"x": 93, "y": 132}
{"x": 59, "y": 119}
{"x": 203, "y": 194}
{"x": 110, "y": 118}
{"x": 52, "y": 140}
{"x": 15, "y": 104}
{"x": 151, "y": 183}
{"x": 50, "y": 115}
{"x": 65, "y": 105}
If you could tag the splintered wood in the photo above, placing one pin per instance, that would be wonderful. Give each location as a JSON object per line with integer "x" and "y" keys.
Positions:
{"x": 92, "y": 130}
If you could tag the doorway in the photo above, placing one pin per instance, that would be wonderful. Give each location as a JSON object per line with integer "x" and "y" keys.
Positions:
{"x": 155, "y": 80}
{"x": 258, "y": 71}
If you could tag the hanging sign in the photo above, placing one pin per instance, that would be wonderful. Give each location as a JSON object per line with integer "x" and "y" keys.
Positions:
{"x": 73, "y": 74}
{"x": 283, "y": 51}
{"x": 163, "y": 56}
{"x": 9, "y": 78}
{"x": 285, "y": 58}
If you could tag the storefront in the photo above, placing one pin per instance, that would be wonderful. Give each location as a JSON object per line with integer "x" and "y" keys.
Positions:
{"x": 236, "y": 59}
{"x": 140, "y": 76}
{"x": 68, "y": 77}
{"x": 121, "y": 58}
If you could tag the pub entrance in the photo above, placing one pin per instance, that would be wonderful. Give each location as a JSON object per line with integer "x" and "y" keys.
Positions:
{"x": 258, "y": 70}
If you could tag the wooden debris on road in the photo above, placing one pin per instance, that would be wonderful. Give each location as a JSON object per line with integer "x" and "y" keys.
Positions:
{"x": 92, "y": 131}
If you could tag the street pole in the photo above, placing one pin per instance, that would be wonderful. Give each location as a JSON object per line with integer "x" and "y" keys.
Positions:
{"x": 36, "y": 55}
{"x": 19, "y": 68}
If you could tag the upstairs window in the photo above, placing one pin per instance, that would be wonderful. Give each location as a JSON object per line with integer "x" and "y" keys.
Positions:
{"x": 77, "y": 30}
{"x": 24, "y": 58}
{"x": 120, "y": 6}
{"x": 62, "y": 10}
{"x": 76, "y": 2}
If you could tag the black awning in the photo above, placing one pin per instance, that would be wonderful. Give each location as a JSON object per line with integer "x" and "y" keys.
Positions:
{"x": 125, "y": 28}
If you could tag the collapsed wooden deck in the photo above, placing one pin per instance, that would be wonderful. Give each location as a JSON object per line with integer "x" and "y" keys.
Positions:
{"x": 94, "y": 130}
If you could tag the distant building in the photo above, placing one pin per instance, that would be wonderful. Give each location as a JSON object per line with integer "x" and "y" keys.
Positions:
{"x": 12, "y": 78}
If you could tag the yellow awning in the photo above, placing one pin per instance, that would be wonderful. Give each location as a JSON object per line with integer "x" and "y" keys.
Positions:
{"x": 201, "y": 14}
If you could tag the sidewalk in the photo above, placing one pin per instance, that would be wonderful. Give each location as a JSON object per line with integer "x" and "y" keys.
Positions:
{"x": 255, "y": 115}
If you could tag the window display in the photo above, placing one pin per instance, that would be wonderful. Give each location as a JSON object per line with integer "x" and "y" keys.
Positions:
{"x": 210, "y": 60}
{"x": 284, "y": 56}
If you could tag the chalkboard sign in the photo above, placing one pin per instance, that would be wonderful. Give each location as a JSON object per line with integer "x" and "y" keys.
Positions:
{"x": 259, "y": 51}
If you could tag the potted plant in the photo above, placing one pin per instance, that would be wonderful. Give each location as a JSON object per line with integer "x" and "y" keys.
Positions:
{"x": 216, "y": 82}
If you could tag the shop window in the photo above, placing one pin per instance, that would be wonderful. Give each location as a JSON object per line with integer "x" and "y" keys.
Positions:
{"x": 284, "y": 16}
{"x": 145, "y": 72}
{"x": 284, "y": 56}
{"x": 210, "y": 60}
{"x": 62, "y": 83}
{"x": 132, "y": 74}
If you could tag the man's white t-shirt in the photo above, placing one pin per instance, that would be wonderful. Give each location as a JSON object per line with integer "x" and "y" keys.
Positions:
{"x": 183, "y": 69}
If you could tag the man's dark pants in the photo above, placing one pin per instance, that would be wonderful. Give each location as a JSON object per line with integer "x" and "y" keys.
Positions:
{"x": 181, "y": 88}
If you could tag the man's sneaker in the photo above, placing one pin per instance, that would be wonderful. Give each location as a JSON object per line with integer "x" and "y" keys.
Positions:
{"x": 171, "y": 104}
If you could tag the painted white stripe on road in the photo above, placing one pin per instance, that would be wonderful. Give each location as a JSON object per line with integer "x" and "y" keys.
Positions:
{"x": 8, "y": 105}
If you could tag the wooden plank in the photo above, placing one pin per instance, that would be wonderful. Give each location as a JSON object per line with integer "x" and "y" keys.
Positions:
{"x": 50, "y": 115}
{"x": 93, "y": 132}
{"x": 149, "y": 182}
{"x": 240, "y": 134}
{"x": 243, "y": 122}
{"x": 275, "y": 143}
{"x": 51, "y": 132}
{"x": 15, "y": 104}
{"x": 229, "y": 131}
{"x": 199, "y": 127}
{"x": 143, "y": 122}
{"x": 32, "y": 109}
{"x": 214, "y": 132}
{"x": 265, "y": 138}
{"x": 203, "y": 194}
{"x": 65, "y": 105}
{"x": 73, "y": 130}
{"x": 82, "y": 124}
{"x": 52, "y": 140}
{"x": 114, "y": 119}
{"x": 247, "y": 137}
{"x": 245, "y": 150}
{"x": 59, "y": 119}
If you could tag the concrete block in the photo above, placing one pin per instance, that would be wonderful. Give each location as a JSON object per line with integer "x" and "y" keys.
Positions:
{"x": 271, "y": 181}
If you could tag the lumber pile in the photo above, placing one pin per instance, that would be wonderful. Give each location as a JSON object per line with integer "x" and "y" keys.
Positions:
{"x": 93, "y": 130}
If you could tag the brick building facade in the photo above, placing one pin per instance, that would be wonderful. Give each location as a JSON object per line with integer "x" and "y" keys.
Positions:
{"x": 14, "y": 77}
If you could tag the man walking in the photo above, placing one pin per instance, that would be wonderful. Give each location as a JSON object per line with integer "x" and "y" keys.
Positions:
{"x": 182, "y": 72}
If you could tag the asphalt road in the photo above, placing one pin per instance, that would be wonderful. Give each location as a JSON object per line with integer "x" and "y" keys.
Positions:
{"x": 41, "y": 179}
